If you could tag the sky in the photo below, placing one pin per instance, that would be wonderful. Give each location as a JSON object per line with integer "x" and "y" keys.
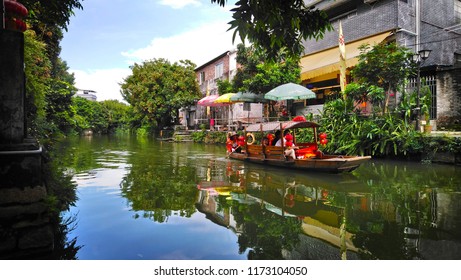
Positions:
{"x": 108, "y": 36}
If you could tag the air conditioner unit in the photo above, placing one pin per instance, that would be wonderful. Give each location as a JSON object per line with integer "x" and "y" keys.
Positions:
{"x": 369, "y": 1}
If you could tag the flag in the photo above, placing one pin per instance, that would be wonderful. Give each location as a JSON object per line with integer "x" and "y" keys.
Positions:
{"x": 342, "y": 59}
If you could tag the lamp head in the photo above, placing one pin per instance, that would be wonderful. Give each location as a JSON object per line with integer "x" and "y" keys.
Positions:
{"x": 424, "y": 54}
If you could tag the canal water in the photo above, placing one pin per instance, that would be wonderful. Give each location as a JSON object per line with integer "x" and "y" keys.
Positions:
{"x": 140, "y": 198}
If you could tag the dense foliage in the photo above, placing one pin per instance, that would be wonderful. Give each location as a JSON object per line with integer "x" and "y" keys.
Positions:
{"x": 259, "y": 75}
{"x": 49, "y": 85}
{"x": 273, "y": 25}
{"x": 157, "y": 89}
{"x": 377, "y": 135}
{"x": 381, "y": 72}
{"x": 105, "y": 117}
{"x": 37, "y": 71}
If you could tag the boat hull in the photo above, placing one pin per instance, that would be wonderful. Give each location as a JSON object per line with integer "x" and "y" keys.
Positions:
{"x": 328, "y": 163}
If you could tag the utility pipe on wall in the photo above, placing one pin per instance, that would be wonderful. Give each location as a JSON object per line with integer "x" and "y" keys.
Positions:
{"x": 418, "y": 24}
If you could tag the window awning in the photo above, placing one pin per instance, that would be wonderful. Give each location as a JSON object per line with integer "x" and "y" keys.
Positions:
{"x": 327, "y": 61}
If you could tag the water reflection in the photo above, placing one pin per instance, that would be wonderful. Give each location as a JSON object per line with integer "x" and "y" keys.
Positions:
{"x": 276, "y": 216}
{"x": 383, "y": 210}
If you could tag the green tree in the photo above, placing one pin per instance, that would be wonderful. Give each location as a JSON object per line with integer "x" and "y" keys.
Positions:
{"x": 59, "y": 97}
{"x": 258, "y": 75}
{"x": 248, "y": 58}
{"x": 224, "y": 86}
{"x": 381, "y": 71}
{"x": 37, "y": 71}
{"x": 48, "y": 83}
{"x": 89, "y": 115}
{"x": 51, "y": 12}
{"x": 58, "y": 105}
{"x": 116, "y": 113}
{"x": 48, "y": 19}
{"x": 61, "y": 71}
{"x": 157, "y": 89}
{"x": 386, "y": 66}
{"x": 272, "y": 74}
{"x": 274, "y": 25}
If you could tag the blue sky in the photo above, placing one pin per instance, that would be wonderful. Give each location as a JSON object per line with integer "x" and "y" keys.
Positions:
{"x": 108, "y": 36}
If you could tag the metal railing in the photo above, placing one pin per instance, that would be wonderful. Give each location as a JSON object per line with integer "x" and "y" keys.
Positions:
{"x": 431, "y": 83}
{"x": 218, "y": 124}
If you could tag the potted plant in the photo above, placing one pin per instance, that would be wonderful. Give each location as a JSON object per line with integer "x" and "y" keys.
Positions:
{"x": 426, "y": 102}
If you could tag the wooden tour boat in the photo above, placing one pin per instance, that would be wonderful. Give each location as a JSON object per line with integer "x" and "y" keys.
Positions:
{"x": 308, "y": 156}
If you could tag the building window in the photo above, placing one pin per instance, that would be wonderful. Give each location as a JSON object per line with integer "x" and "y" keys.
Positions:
{"x": 219, "y": 70}
{"x": 201, "y": 77}
{"x": 458, "y": 11}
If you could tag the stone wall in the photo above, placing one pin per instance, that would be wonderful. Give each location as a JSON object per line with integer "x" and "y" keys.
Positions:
{"x": 368, "y": 21}
{"x": 25, "y": 229}
{"x": 449, "y": 100}
{"x": 11, "y": 86}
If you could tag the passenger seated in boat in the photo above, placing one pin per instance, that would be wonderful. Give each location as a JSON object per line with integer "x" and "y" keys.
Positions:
{"x": 285, "y": 134}
{"x": 232, "y": 143}
{"x": 290, "y": 150}
{"x": 240, "y": 144}
{"x": 229, "y": 143}
{"x": 265, "y": 141}
{"x": 288, "y": 144}
{"x": 276, "y": 138}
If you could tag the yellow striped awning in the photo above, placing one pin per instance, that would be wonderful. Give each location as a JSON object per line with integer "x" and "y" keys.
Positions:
{"x": 327, "y": 61}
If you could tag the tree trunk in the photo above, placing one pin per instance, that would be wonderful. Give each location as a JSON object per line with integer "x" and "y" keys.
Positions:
{"x": 386, "y": 102}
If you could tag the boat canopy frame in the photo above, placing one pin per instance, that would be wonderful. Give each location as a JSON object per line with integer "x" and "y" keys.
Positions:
{"x": 272, "y": 126}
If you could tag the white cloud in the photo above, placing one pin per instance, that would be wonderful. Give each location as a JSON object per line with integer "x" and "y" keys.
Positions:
{"x": 179, "y": 4}
{"x": 198, "y": 45}
{"x": 104, "y": 81}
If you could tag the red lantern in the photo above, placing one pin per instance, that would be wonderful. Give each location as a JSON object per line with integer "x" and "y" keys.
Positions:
{"x": 15, "y": 12}
{"x": 288, "y": 137}
{"x": 299, "y": 119}
{"x": 270, "y": 136}
{"x": 323, "y": 141}
{"x": 323, "y": 135}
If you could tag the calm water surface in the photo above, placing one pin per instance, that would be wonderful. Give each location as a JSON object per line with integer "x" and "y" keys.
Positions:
{"x": 145, "y": 199}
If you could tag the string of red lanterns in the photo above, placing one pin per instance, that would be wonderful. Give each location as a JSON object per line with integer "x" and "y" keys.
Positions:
{"x": 323, "y": 138}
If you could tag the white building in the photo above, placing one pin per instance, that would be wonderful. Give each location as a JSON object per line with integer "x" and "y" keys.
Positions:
{"x": 87, "y": 94}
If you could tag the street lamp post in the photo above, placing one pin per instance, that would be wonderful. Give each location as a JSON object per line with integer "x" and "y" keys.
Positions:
{"x": 419, "y": 58}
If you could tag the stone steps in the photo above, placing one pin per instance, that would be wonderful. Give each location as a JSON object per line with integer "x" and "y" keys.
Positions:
{"x": 181, "y": 135}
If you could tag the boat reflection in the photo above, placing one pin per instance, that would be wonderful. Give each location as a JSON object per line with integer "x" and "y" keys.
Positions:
{"x": 251, "y": 197}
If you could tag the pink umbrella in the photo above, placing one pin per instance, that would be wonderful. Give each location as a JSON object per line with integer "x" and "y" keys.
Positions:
{"x": 209, "y": 101}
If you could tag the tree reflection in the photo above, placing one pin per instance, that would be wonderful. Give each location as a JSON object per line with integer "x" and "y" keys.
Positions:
{"x": 160, "y": 188}
{"x": 266, "y": 234}
{"x": 61, "y": 194}
{"x": 413, "y": 208}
